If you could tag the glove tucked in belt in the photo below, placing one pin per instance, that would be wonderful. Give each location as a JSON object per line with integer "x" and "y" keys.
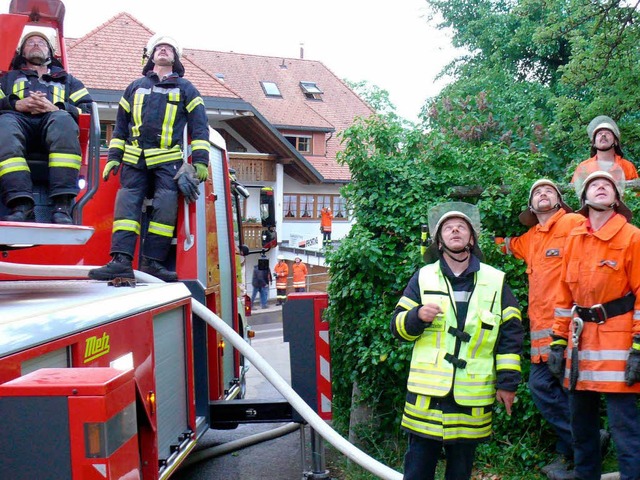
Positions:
{"x": 632, "y": 370}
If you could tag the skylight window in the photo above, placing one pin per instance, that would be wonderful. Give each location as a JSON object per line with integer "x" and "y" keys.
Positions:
{"x": 271, "y": 89}
{"x": 311, "y": 90}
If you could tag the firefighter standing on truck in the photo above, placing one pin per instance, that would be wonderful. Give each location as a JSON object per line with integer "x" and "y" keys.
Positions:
{"x": 39, "y": 106}
{"x": 542, "y": 248}
{"x": 281, "y": 271}
{"x": 466, "y": 325}
{"x": 597, "y": 322}
{"x": 148, "y": 143}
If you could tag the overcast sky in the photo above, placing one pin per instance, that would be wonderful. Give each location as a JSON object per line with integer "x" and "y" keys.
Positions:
{"x": 388, "y": 44}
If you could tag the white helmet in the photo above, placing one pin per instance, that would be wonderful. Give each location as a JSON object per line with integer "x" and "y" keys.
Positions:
{"x": 528, "y": 217}
{"x": 444, "y": 211}
{"x": 600, "y": 122}
{"x": 159, "y": 39}
{"x": 36, "y": 32}
{"x": 616, "y": 177}
{"x": 280, "y": 257}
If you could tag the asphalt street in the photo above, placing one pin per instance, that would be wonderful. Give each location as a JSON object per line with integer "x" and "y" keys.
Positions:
{"x": 277, "y": 459}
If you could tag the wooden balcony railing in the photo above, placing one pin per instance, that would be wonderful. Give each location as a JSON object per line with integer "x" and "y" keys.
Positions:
{"x": 252, "y": 233}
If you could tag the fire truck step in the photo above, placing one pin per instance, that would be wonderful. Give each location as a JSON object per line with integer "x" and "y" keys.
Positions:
{"x": 227, "y": 414}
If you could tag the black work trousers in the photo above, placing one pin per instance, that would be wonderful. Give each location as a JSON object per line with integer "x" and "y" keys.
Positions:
{"x": 55, "y": 133}
{"x": 136, "y": 184}
{"x": 422, "y": 456}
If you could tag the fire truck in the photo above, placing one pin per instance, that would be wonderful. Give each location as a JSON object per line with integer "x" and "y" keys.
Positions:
{"x": 98, "y": 381}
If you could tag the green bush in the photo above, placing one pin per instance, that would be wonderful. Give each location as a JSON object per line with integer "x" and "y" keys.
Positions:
{"x": 397, "y": 175}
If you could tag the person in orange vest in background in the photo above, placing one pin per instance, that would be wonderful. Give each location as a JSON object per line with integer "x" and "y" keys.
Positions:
{"x": 597, "y": 322}
{"x": 282, "y": 272}
{"x": 606, "y": 152}
{"x": 542, "y": 248}
{"x": 325, "y": 225}
{"x": 299, "y": 275}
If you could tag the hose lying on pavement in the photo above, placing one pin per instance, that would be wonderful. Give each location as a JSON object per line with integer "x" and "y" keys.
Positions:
{"x": 234, "y": 445}
{"x": 325, "y": 431}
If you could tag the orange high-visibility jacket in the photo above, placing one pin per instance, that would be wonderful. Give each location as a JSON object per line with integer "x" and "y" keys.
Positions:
{"x": 599, "y": 267}
{"x": 325, "y": 219}
{"x": 542, "y": 249}
{"x": 629, "y": 169}
{"x": 282, "y": 272}
{"x": 299, "y": 275}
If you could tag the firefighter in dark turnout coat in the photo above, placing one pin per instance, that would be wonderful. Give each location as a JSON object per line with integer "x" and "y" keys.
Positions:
{"x": 39, "y": 107}
{"x": 148, "y": 143}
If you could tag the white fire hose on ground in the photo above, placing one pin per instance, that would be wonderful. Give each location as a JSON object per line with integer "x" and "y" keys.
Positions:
{"x": 319, "y": 425}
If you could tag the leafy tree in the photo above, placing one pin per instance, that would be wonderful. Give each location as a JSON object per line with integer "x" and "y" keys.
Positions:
{"x": 536, "y": 73}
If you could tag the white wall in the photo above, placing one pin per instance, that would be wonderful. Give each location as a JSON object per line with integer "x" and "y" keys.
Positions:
{"x": 310, "y": 227}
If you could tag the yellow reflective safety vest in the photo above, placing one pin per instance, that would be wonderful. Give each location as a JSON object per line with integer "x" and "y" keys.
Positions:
{"x": 435, "y": 367}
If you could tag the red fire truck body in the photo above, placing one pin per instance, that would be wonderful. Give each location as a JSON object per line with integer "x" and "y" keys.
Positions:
{"x": 160, "y": 367}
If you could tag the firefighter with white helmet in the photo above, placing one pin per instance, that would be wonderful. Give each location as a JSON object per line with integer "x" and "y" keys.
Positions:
{"x": 596, "y": 324}
{"x": 147, "y": 149}
{"x": 550, "y": 221}
{"x": 281, "y": 273}
{"x": 299, "y": 274}
{"x": 604, "y": 136}
{"x": 466, "y": 327}
{"x": 39, "y": 105}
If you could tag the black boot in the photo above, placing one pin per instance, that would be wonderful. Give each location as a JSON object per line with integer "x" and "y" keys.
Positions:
{"x": 155, "y": 268}
{"x": 21, "y": 211}
{"x": 62, "y": 210}
{"x": 119, "y": 267}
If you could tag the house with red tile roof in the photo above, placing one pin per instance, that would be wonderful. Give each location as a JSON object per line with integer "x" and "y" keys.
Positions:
{"x": 281, "y": 118}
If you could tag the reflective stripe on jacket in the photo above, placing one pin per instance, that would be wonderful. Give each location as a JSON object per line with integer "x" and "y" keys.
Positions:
{"x": 430, "y": 373}
{"x": 542, "y": 249}
{"x": 299, "y": 275}
{"x": 151, "y": 118}
{"x": 60, "y": 88}
{"x": 599, "y": 267}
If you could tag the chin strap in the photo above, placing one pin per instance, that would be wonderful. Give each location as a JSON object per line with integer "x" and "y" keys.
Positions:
{"x": 556, "y": 207}
{"x": 449, "y": 253}
{"x": 601, "y": 208}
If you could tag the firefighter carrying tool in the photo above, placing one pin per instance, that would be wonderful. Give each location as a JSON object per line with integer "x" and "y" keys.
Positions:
{"x": 578, "y": 326}
{"x": 599, "y": 285}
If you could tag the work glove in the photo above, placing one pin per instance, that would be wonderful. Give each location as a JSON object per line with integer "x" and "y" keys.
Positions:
{"x": 632, "y": 371}
{"x": 112, "y": 166}
{"x": 202, "y": 172}
{"x": 187, "y": 182}
{"x": 556, "y": 359}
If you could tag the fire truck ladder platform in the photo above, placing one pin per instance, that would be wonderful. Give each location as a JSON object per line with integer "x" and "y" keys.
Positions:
{"x": 36, "y": 312}
{"x": 20, "y": 234}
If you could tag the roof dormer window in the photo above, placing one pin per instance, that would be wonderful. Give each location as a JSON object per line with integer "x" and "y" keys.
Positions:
{"x": 270, "y": 89}
{"x": 311, "y": 90}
